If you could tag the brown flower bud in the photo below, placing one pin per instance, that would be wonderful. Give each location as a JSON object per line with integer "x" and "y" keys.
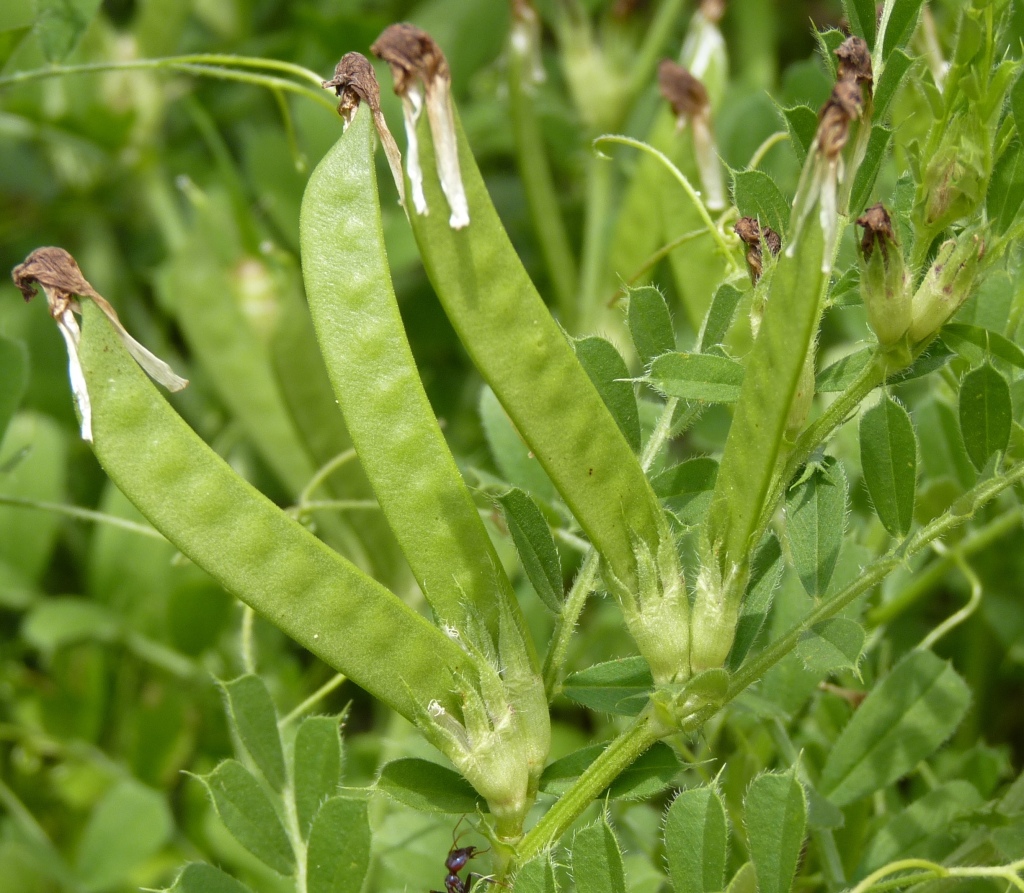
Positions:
{"x": 855, "y": 62}
{"x": 754, "y": 237}
{"x": 877, "y": 231}
{"x": 682, "y": 90}
{"x": 843, "y": 107}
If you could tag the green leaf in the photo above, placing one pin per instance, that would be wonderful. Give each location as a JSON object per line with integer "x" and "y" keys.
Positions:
{"x": 246, "y": 811}
{"x": 904, "y": 720}
{"x": 57, "y": 622}
{"x": 317, "y": 766}
{"x": 696, "y": 841}
{"x": 719, "y": 316}
{"x": 428, "y": 787}
{"x": 127, "y": 827}
{"x": 974, "y": 343}
{"x": 831, "y": 645}
{"x": 765, "y": 572}
{"x": 692, "y": 376}
{"x": 687, "y": 488}
{"x": 905, "y": 833}
{"x": 874, "y": 155}
{"x": 744, "y": 881}
{"x": 537, "y": 551}
{"x": 842, "y": 373}
{"x": 536, "y": 876}
{"x": 892, "y": 78}
{"x": 513, "y": 457}
{"x": 985, "y": 414}
{"x": 14, "y": 375}
{"x": 650, "y": 323}
{"x": 901, "y": 25}
{"x": 597, "y": 860}
{"x": 198, "y": 877}
{"x": 339, "y": 847}
{"x": 802, "y": 124}
{"x": 1006, "y": 188}
{"x": 254, "y": 719}
{"x": 618, "y": 686}
{"x": 1017, "y": 102}
{"x": 861, "y": 14}
{"x": 651, "y": 773}
{"x": 60, "y": 24}
{"x": 610, "y": 375}
{"x": 888, "y": 455}
{"x": 756, "y": 195}
{"x": 775, "y": 813}
{"x": 815, "y": 523}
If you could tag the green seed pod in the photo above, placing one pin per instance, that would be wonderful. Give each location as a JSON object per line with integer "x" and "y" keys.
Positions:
{"x": 946, "y": 286}
{"x": 883, "y": 278}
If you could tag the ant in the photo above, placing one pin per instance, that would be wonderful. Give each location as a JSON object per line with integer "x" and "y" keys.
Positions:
{"x": 455, "y": 862}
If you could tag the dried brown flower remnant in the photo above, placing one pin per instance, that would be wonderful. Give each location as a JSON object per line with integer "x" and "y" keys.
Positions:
{"x": 877, "y": 231}
{"x": 623, "y": 9}
{"x": 753, "y": 236}
{"x": 354, "y": 81}
{"x": 691, "y": 104}
{"x": 855, "y": 62}
{"x": 412, "y": 54}
{"x": 842, "y": 109}
{"x": 422, "y": 77}
{"x": 682, "y": 90}
{"x": 56, "y": 272}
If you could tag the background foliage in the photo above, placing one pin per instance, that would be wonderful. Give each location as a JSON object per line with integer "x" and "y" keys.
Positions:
{"x": 171, "y": 190}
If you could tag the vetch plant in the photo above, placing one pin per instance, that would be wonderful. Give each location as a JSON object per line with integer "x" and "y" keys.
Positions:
{"x": 764, "y": 508}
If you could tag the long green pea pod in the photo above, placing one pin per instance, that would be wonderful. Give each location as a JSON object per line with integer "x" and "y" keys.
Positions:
{"x": 394, "y": 429}
{"x": 755, "y": 444}
{"x": 249, "y": 545}
{"x": 525, "y": 357}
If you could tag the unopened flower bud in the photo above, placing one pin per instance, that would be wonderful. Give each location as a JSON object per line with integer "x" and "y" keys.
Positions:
{"x": 883, "y": 280}
{"x": 946, "y": 286}
{"x": 955, "y": 177}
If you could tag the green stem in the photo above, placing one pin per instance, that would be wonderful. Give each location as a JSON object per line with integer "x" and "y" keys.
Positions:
{"x": 659, "y": 255}
{"x": 323, "y": 474}
{"x": 926, "y": 580}
{"x": 80, "y": 514}
{"x": 870, "y": 377}
{"x": 614, "y": 759}
{"x": 322, "y": 692}
{"x": 201, "y": 65}
{"x": 660, "y": 435}
{"x": 539, "y": 185}
{"x": 565, "y": 625}
{"x": 681, "y": 178}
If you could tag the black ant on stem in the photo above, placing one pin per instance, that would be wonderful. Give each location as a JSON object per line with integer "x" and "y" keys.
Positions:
{"x": 455, "y": 862}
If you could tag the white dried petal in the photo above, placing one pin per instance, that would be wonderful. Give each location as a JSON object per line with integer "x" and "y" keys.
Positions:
{"x": 68, "y": 326}
{"x": 412, "y": 106}
{"x": 446, "y": 150}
